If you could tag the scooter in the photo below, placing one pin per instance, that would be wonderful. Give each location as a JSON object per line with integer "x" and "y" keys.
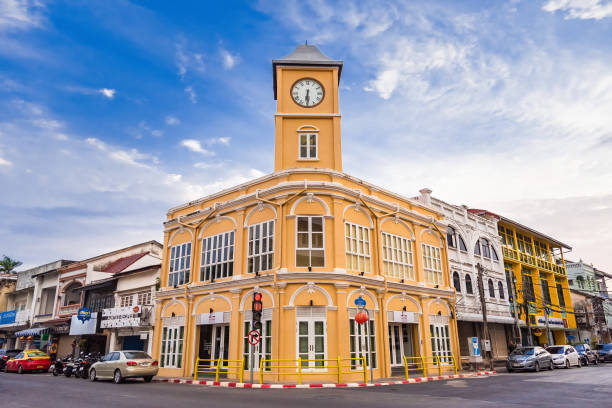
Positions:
{"x": 86, "y": 363}
{"x": 68, "y": 367}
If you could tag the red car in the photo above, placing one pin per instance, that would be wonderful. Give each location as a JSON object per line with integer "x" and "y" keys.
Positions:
{"x": 28, "y": 360}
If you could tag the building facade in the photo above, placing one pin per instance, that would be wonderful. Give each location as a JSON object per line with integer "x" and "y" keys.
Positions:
{"x": 312, "y": 240}
{"x": 535, "y": 268}
{"x": 474, "y": 240}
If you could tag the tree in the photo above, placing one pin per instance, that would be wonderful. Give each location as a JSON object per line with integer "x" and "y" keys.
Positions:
{"x": 8, "y": 265}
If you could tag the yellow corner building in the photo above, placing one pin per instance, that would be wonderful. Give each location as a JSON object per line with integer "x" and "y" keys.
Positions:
{"x": 311, "y": 239}
{"x": 536, "y": 264}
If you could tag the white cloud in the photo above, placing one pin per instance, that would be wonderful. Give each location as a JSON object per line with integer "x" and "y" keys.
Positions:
{"x": 229, "y": 60}
{"x": 4, "y": 162}
{"x": 188, "y": 60}
{"x": 20, "y": 14}
{"x": 581, "y": 9}
{"x": 195, "y": 146}
{"x": 109, "y": 93}
{"x": 193, "y": 96}
{"x": 172, "y": 120}
{"x": 219, "y": 140}
{"x": 157, "y": 133}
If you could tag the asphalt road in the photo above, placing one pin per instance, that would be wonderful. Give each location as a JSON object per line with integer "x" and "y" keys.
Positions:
{"x": 578, "y": 387}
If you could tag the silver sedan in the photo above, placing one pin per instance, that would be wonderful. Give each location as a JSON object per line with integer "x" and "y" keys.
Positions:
{"x": 119, "y": 365}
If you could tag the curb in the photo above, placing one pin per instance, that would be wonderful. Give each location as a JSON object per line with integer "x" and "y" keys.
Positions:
{"x": 229, "y": 384}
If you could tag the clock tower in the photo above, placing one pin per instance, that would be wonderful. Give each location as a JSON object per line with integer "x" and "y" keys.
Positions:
{"x": 307, "y": 120}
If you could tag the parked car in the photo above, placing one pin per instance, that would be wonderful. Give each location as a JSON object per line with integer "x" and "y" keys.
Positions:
{"x": 29, "y": 360}
{"x": 604, "y": 352}
{"x": 564, "y": 356}
{"x": 6, "y": 355}
{"x": 587, "y": 356}
{"x": 529, "y": 358}
{"x": 119, "y": 365}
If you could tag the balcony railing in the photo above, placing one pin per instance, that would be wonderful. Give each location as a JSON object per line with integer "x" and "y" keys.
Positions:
{"x": 69, "y": 310}
{"x": 511, "y": 253}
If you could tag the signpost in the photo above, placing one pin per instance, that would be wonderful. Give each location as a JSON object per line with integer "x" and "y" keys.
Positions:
{"x": 254, "y": 337}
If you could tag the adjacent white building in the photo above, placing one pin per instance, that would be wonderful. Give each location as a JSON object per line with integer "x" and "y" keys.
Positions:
{"x": 474, "y": 240}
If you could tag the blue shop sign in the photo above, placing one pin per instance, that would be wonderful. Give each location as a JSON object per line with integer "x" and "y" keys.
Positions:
{"x": 360, "y": 302}
{"x": 8, "y": 317}
{"x": 84, "y": 314}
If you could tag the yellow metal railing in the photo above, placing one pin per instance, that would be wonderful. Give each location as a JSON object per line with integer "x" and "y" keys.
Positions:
{"x": 425, "y": 363}
{"x": 217, "y": 367}
{"x": 297, "y": 367}
{"x": 529, "y": 259}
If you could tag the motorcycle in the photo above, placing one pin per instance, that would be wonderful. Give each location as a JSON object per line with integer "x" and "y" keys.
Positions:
{"x": 85, "y": 363}
{"x": 68, "y": 367}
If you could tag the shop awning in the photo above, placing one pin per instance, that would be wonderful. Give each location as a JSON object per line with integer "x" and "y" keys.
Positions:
{"x": 36, "y": 331}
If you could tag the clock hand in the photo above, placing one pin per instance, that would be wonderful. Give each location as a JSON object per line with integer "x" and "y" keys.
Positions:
{"x": 307, "y": 96}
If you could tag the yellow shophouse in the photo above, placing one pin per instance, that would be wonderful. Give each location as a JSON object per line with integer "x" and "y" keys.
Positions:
{"x": 311, "y": 239}
{"x": 535, "y": 262}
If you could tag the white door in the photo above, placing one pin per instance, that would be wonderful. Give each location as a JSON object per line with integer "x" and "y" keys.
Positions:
{"x": 400, "y": 343}
{"x": 311, "y": 344}
{"x": 440, "y": 342}
{"x": 263, "y": 349}
{"x": 220, "y": 343}
{"x": 363, "y": 343}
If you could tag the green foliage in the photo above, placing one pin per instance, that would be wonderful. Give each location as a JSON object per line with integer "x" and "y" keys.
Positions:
{"x": 8, "y": 265}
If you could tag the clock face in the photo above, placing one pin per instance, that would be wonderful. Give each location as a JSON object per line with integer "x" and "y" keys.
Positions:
{"x": 307, "y": 92}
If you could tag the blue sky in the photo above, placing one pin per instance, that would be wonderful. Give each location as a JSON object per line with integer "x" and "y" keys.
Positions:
{"x": 111, "y": 112}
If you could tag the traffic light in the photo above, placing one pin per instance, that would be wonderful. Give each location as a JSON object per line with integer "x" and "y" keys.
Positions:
{"x": 256, "y": 309}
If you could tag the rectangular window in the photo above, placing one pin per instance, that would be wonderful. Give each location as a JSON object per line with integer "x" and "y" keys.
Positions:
{"x": 440, "y": 342}
{"x": 528, "y": 292}
{"x": 144, "y": 298}
{"x": 308, "y": 146}
{"x": 357, "y": 247}
{"x": 560, "y": 295}
{"x": 362, "y": 339}
{"x": 261, "y": 247}
{"x": 171, "y": 355}
{"x": 432, "y": 264}
{"x": 545, "y": 291}
{"x": 310, "y": 250}
{"x": 180, "y": 263}
{"x": 397, "y": 257}
{"x": 126, "y": 300}
{"x": 262, "y": 350}
{"x": 217, "y": 256}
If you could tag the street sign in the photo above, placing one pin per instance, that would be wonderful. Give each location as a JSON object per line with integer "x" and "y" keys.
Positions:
{"x": 254, "y": 337}
{"x": 360, "y": 302}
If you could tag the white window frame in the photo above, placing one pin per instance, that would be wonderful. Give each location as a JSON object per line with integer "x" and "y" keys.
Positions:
{"x": 440, "y": 342}
{"x": 432, "y": 264}
{"x": 358, "y": 250}
{"x": 144, "y": 298}
{"x": 180, "y": 264}
{"x": 265, "y": 343}
{"x": 309, "y": 248}
{"x": 308, "y": 145}
{"x": 217, "y": 256}
{"x": 255, "y": 259}
{"x": 358, "y": 340}
{"x": 398, "y": 262}
{"x": 171, "y": 352}
{"x": 127, "y": 300}
{"x": 313, "y": 366}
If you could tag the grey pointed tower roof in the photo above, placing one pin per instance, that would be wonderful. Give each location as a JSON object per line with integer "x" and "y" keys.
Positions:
{"x": 305, "y": 55}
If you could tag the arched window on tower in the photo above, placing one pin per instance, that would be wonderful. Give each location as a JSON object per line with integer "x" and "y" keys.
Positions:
{"x": 468, "y": 285}
{"x": 491, "y": 289}
{"x": 457, "y": 282}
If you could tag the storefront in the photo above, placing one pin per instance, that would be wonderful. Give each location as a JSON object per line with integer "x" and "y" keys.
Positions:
{"x": 128, "y": 327}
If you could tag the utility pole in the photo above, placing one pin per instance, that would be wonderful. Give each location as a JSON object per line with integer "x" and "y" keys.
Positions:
{"x": 518, "y": 338}
{"x": 485, "y": 327}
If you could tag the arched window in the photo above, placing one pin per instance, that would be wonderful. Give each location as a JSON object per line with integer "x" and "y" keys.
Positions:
{"x": 450, "y": 237}
{"x": 457, "y": 282}
{"x": 72, "y": 294}
{"x": 500, "y": 289}
{"x": 580, "y": 282}
{"x": 477, "y": 248}
{"x": 468, "y": 285}
{"x": 494, "y": 254}
{"x": 454, "y": 239}
{"x": 486, "y": 251}
{"x": 491, "y": 289}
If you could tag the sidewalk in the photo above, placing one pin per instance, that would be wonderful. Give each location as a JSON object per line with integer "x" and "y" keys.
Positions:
{"x": 378, "y": 383}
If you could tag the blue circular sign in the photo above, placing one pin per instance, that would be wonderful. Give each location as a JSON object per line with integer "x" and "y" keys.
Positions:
{"x": 360, "y": 302}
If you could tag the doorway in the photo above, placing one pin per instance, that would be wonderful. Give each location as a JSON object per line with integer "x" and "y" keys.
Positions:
{"x": 214, "y": 343}
{"x": 401, "y": 343}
